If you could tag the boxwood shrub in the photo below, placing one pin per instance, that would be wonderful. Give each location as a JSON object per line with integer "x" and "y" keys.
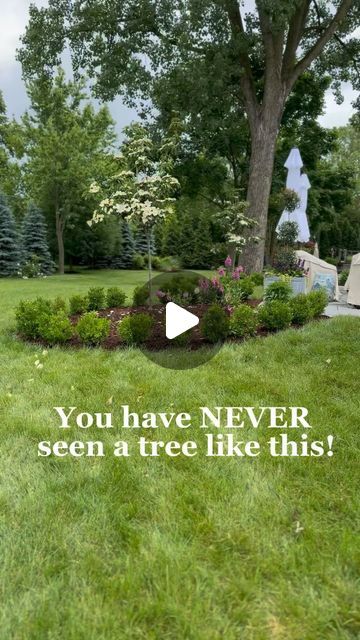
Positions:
{"x": 317, "y": 300}
{"x": 275, "y": 315}
{"x": 243, "y": 322}
{"x": 96, "y": 299}
{"x": 135, "y": 328}
{"x": 279, "y": 290}
{"x": 91, "y": 329}
{"x": 55, "y": 328}
{"x": 29, "y": 314}
{"x": 78, "y": 304}
{"x": 215, "y": 324}
{"x": 300, "y": 308}
{"x": 115, "y": 297}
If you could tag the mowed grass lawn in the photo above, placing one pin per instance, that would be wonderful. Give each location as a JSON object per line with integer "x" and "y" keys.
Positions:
{"x": 138, "y": 548}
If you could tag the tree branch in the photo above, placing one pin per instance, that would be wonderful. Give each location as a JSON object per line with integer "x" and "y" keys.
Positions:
{"x": 318, "y": 47}
{"x": 246, "y": 80}
{"x": 295, "y": 32}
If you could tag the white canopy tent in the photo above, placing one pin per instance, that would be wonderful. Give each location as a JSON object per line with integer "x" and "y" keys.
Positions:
{"x": 298, "y": 182}
{"x": 319, "y": 274}
{"x": 353, "y": 282}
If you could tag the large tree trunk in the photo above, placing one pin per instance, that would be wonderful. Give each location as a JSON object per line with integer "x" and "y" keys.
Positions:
{"x": 259, "y": 188}
{"x": 60, "y": 242}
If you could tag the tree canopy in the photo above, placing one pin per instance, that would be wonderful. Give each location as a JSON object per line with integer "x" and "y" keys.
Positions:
{"x": 137, "y": 47}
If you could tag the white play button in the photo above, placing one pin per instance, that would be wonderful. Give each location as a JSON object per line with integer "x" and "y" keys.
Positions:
{"x": 178, "y": 320}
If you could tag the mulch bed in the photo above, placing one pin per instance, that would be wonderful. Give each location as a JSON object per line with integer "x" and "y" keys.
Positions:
{"x": 157, "y": 340}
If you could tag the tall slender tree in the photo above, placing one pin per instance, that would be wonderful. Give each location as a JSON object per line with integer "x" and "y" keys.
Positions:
{"x": 66, "y": 148}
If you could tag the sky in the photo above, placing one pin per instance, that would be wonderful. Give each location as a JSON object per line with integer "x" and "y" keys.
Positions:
{"x": 14, "y": 17}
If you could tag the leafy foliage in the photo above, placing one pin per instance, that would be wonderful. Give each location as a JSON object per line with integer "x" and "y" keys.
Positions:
{"x": 96, "y": 298}
{"x": 318, "y": 300}
{"x": 135, "y": 328}
{"x": 214, "y": 325}
{"x": 280, "y": 290}
{"x": 275, "y": 315}
{"x": 300, "y": 307}
{"x": 115, "y": 297}
{"x": 78, "y": 304}
{"x": 91, "y": 329}
{"x": 243, "y": 322}
{"x": 55, "y": 328}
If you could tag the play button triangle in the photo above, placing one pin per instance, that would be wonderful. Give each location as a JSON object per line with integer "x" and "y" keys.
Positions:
{"x": 178, "y": 320}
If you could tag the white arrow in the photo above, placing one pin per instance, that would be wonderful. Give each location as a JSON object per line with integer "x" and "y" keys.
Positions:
{"x": 178, "y": 320}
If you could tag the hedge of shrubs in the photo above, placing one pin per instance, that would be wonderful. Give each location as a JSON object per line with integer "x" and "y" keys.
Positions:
{"x": 48, "y": 320}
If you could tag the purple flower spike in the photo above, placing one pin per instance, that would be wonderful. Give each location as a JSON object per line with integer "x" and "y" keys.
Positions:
{"x": 228, "y": 262}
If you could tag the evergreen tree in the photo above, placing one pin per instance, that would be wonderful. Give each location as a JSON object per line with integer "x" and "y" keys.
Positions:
{"x": 9, "y": 250}
{"x": 34, "y": 240}
{"x": 141, "y": 246}
{"x": 171, "y": 236}
{"x": 128, "y": 246}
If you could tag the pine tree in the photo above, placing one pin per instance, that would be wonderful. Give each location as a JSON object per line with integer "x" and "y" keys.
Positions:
{"x": 171, "y": 236}
{"x": 128, "y": 248}
{"x": 9, "y": 248}
{"x": 116, "y": 261}
{"x": 34, "y": 240}
{"x": 141, "y": 246}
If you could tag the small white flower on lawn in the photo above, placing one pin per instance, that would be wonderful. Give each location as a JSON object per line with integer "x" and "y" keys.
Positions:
{"x": 45, "y": 353}
{"x": 110, "y": 400}
{"x": 328, "y": 361}
{"x": 37, "y": 362}
{"x": 40, "y": 366}
{"x": 298, "y": 528}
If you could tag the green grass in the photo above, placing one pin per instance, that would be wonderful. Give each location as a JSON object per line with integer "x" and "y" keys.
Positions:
{"x": 185, "y": 549}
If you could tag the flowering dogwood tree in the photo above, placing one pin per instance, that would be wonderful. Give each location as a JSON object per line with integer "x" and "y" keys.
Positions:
{"x": 143, "y": 188}
{"x": 236, "y": 225}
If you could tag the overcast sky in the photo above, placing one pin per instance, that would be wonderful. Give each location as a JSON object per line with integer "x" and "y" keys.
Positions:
{"x": 14, "y": 16}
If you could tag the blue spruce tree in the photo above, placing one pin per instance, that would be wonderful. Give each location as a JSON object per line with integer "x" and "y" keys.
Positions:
{"x": 128, "y": 247}
{"x": 9, "y": 248}
{"x": 34, "y": 240}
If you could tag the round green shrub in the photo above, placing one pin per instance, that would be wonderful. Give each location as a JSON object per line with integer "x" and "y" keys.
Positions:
{"x": 28, "y": 315}
{"x": 275, "y": 315}
{"x": 55, "y": 328}
{"x": 140, "y": 296}
{"x": 60, "y": 304}
{"x": 91, "y": 329}
{"x": 215, "y": 324}
{"x": 343, "y": 277}
{"x": 115, "y": 297}
{"x": 243, "y": 322}
{"x": 318, "y": 301}
{"x": 78, "y": 304}
{"x": 257, "y": 278}
{"x": 135, "y": 328}
{"x": 279, "y": 290}
{"x": 300, "y": 309}
{"x": 96, "y": 299}
{"x": 138, "y": 261}
{"x": 237, "y": 291}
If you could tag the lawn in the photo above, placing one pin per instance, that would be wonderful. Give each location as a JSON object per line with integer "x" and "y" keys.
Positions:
{"x": 186, "y": 549}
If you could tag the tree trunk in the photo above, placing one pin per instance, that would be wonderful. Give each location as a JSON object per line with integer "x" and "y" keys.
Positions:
{"x": 148, "y": 237}
{"x": 259, "y": 188}
{"x": 60, "y": 242}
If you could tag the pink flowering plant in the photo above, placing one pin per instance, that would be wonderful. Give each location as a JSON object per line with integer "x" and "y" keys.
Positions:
{"x": 229, "y": 287}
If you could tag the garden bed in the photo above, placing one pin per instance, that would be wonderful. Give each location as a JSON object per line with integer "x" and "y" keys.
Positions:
{"x": 157, "y": 340}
